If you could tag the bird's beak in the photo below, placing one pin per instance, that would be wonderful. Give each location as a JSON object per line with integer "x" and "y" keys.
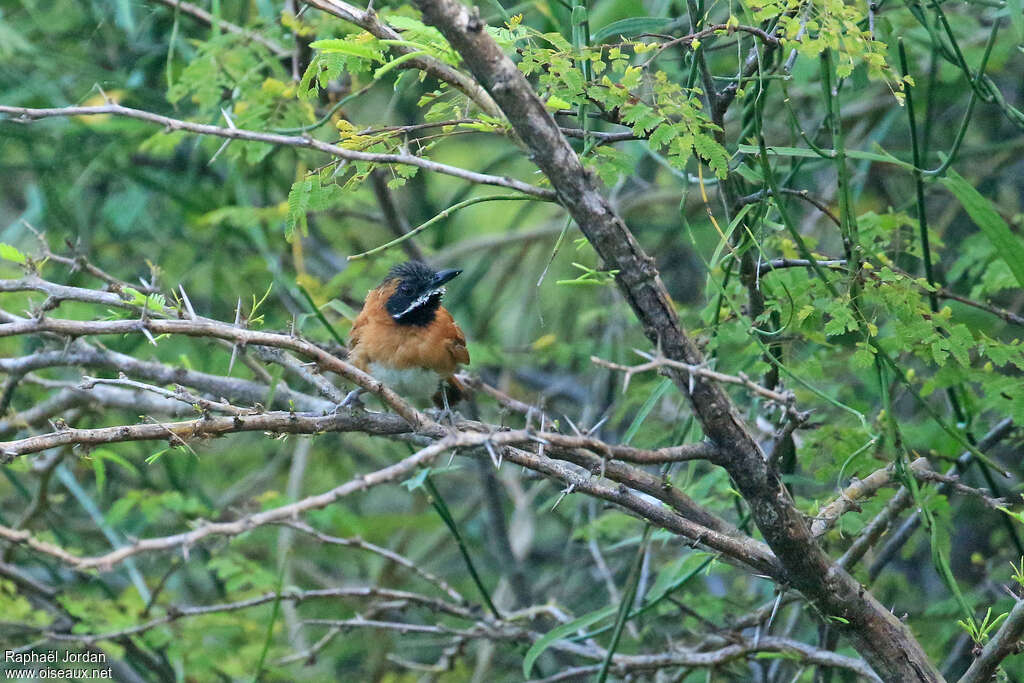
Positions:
{"x": 444, "y": 276}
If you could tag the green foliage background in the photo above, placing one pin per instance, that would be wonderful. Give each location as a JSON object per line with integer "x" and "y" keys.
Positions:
{"x": 230, "y": 222}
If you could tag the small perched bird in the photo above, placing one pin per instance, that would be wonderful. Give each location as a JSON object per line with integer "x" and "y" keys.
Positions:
{"x": 406, "y": 339}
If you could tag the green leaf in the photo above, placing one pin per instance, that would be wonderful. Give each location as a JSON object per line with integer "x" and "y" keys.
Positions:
{"x": 345, "y": 47}
{"x": 1008, "y": 246}
{"x": 417, "y": 481}
{"x": 645, "y": 409}
{"x": 1016, "y": 8}
{"x": 9, "y": 253}
{"x": 559, "y": 632}
{"x": 802, "y": 153}
{"x": 101, "y": 474}
{"x": 632, "y": 26}
{"x": 1016, "y": 515}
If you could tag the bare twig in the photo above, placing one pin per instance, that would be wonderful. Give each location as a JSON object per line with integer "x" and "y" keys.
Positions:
{"x": 170, "y": 124}
{"x": 658, "y": 362}
{"x": 801, "y": 194}
{"x": 206, "y": 18}
{"x": 858, "y": 490}
{"x": 176, "y": 612}
{"x": 378, "y": 550}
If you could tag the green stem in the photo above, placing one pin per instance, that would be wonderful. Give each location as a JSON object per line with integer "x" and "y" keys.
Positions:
{"x": 628, "y": 596}
{"x": 922, "y": 217}
{"x": 441, "y": 216}
{"x": 848, "y": 224}
{"x": 442, "y": 510}
{"x": 971, "y": 102}
{"x": 320, "y": 316}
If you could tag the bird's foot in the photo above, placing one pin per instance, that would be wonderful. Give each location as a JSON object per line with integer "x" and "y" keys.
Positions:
{"x": 445, "y": 416}
{"x": 352, "y": 401}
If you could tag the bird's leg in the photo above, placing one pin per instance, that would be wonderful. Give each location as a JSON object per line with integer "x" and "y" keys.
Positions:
{"x": 352, "y": 401}
{"x": 446, "y": 415}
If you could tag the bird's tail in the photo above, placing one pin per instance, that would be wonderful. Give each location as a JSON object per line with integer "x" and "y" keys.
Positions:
{"x": 453, "y": 389}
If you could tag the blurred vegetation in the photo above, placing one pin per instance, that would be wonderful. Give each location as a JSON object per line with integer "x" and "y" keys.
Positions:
{"x": 230, "y": 222}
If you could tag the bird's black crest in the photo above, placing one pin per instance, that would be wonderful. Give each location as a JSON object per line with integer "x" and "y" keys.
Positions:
{"x": 415, "y": 273}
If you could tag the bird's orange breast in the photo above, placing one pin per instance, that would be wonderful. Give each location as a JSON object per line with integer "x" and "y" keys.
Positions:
{"x": 439, "y": 346}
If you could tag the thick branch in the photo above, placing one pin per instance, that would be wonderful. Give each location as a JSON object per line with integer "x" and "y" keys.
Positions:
{"x": 202, "y": 327}
{"x": 240, "y": 390}
{"x": 877, "y": 634}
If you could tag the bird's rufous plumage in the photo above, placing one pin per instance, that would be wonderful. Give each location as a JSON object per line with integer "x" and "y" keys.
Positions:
{"x": 391, "y": 346}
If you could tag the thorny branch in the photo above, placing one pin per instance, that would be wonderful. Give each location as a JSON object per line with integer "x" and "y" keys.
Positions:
{"x": 656, "y": 363}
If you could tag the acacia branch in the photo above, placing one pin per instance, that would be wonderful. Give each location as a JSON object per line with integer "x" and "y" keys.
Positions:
{"x": 882, "y": 639}
{"x": 800, "y": 652}
{"x": 403, "y": 468}
{"x": 744, "y": 550}
{"x": 718, "y": 536}
{"x": 784, "y": 399}
{"x": 201, "y": 327}
{"x": 719, "y": 29}
{"x": 858, "y": 490}
{"x": 246, "y": 391}
{"x": 594, "y": 455}
{"x": 306, "y": 142}
{"x": 892, "y": 548}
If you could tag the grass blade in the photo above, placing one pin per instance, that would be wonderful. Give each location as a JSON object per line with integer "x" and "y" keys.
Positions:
{"x": 1008, "y": 246}
{"x": 628, "y": 596}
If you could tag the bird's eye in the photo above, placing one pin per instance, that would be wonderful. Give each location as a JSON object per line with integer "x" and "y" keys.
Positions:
{"x": 405, "y": 289}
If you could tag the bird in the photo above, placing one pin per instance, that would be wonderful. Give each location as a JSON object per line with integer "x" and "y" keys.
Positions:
{"x": 405, "y": 338}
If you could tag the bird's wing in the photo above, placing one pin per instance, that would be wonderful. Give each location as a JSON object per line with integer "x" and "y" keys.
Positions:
{"x": 456, "y": 339}
{"x": 355, "y": 353}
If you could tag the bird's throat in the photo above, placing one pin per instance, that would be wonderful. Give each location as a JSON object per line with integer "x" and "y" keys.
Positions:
{"x": 421, "y": 312}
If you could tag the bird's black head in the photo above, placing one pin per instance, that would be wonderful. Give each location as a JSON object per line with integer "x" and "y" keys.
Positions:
{"x": 418, "y": 292}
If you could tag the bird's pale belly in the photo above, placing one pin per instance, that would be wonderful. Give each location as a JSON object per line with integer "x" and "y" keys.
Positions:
{"x": 410, "y": 383}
